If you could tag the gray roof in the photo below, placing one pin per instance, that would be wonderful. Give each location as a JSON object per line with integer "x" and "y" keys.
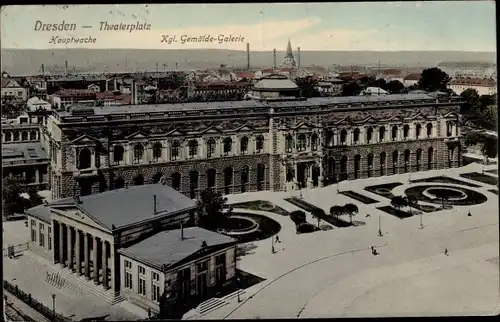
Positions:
{"x": 123, "y": 207}
{"x": 41, "y": 212}
{"x": 22, "y": 153}
{"x": 275, "y": 83}
{"x": 200, "y": 106}
{"x": 167, "y": 248}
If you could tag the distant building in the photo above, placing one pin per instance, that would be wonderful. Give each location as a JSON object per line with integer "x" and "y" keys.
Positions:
{"x": 329, "y": 85}
{"x": 289, "y": 58}
{"x": 469, "y": 69}
{"x": 483, "y": 86}
{"x": 12, "y": 89}
{"x": 27, "y": 161}
{"x": 411, "y": 79}
{"x": 374, "y": 91}
{"x": 35, "y": 104}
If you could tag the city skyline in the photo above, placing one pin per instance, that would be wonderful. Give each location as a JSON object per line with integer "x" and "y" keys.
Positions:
{"x": 389, "y": 26}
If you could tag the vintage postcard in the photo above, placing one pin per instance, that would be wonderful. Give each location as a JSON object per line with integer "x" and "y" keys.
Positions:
{"x": 249, "y": 161}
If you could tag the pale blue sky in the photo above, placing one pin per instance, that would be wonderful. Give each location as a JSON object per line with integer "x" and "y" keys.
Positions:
{"x": 420, "y": 25}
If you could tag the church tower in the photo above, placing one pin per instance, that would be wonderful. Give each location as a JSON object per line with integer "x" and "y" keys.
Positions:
{"x": 289, "y": 59}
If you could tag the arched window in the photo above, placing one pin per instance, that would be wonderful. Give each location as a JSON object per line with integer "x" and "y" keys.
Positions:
{"x": 449, "y": 128}
{"x": 244, "y": 178}
{"x": 395, "y": 157}
{"x": 418, "y": 158}
{"x": 418, "y": 131}
{"x": 259, "y": 144}
{"x": 429, "y": 130}
{"x": 406, "y": 131}
{"x": 118, "y": 153}
{"x": 383, "y": 159}
{"x": 394, "y": 135}
{"x": 228, "y": 145}
{"x": 8, "y": 136}
{"x": 33, "y": 135}
{"x": 289, "y": 144}
{"x": 407, "y": 156}
{"x": 210, "y": 147}
{"x": 381, "y": 134}
{"x": 343, "y": 137}
{"x": 261, "y": 176}
{"x": 357, "y": 166}
{"x": 24, "y": 136}
{"x": 355, "y": 136}
{"x": 176, "y": 181}
{"x": 329, "y": 138}
{"x": 369, "y": 134}
{"x": 193, "y": 149}
{"x": 139, "y": 180}
{"x": 370, "y": 158}
{"x": 343, "y": 164}
{"x": 84, "y": 159}
{"x": 228, "y": 180}
{"x": 244, "y": 145}
{"x": 211, "y": 177}
{"x": 157, "y": 151}
{"x": 193, "y": 183}
{"x": 174, "y": 150}
{"x": 138, "y": 153}
{"x": 301, "y": 142}
{"x": 314, "y": 142}
{"x": 157, "y": 177}
{"x": 430, "y": 158}
{"x": 17, "y": 136}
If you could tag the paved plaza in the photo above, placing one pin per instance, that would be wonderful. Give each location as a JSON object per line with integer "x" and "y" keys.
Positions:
{"x": 332, "y": 273}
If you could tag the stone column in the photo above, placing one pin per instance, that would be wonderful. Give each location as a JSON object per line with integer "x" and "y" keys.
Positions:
{"x": 104, "y": 265}
{"x": 94, "y": 261}
{"x": 86, "y": 255}
{"x": 77, "y": 249}
{"x": 320, "y": 179}
{"x": 37, "y": 176}
{"x": 61, "y": 245}
{"x": 70, "y": 248}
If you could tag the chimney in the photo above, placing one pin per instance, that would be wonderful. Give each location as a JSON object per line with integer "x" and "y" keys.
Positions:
{"x": 248, "y": 56}
{"x": 66, "y": 64}
{"x": 43, "y": 70}
{"x": 154, "y": 204}
{"x": 182, "y": 231}
{"x": 298, "y": 57}
{"x": 274, "y": 58}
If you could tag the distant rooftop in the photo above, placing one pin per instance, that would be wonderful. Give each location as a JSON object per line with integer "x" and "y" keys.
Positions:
{"x": 23, "y": 153}
{"x": 167, "y": 247}
{"x": 123, "y": 207}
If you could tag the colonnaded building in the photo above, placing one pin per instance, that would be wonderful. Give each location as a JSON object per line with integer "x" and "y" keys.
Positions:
{"x": 274, "y": 140}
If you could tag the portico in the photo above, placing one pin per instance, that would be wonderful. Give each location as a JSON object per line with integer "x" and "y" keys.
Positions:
{"x": 305, "y": 173}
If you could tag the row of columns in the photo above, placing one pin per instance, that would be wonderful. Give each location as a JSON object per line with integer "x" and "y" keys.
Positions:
{"x": 70, "y": 254}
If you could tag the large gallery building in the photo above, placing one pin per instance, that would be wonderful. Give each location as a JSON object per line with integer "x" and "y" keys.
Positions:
{"x": 275, "y": 140}
{"x": 126, "y": 244}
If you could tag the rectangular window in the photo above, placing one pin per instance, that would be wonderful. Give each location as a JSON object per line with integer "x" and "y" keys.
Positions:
{"x": 155, "y": 277}
{"x": 220, "y": 259}
{"x": 142, "y": 270}
{"x": 128, "y": 264}
{"x": 128, "y": 280}
{"x": 142, "y": 286}
{"x": 42, "y": 235}
{"x": 155, "y": 293}
{"x": 33, "y": 231}
{"x": 203, "y": 266}
{"x": 49, "y": 237}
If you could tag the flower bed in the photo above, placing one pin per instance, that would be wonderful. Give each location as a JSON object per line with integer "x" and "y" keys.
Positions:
{"x": 493, "y": 191}
{"x": 359, "y": 197}
{"x": 312, "y": 208}
{"x": 483, "y": 178}
{"x": 444, "y": 179}
{"x": 395, "y": 212}
{"x": 384, "y": 190}
{"x": 261, "y": 205}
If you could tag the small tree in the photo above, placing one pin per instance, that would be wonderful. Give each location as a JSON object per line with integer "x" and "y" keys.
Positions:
{"x": 318, "y": 214}
{"x": 351, "y": 210}
{"x": 487, "y": 143}
{"x": 12, "y": 201}
{"x": 209, "y": 209}
{"x": 34, "y": 198}
{"x": 442, "y": 195}
{"x": 412, "y": 200}
{"x": 398, "y": 202}
{"x": 298, "y": 216}
{"x": 337, "y": 211}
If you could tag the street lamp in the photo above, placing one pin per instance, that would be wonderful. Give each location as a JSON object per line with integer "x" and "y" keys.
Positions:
{"x": 53, "y": 306}
{"x": 239, "y": 288}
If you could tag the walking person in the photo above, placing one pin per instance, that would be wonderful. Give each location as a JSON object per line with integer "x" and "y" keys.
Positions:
{"x": 278, "y": 239}
{"x": 469, "y": 214}
{"x": 446, "y": 251}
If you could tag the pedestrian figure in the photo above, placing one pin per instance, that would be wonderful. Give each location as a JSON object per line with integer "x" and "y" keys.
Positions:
{"x": 375, "y": 252}
{"x": 469, "y": 214}
{"x": 300, "y": 194}
{"x": 446, "y": 251}
{"x": 278, "y": 239}
{"x": 373, "y": 249}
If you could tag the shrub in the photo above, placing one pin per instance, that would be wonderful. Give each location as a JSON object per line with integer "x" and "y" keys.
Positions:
{"x": 298, "y": 216}
{"x": 305, "y": 228}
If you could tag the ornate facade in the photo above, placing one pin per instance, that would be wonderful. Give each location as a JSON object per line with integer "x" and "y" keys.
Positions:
{"x": 275, "y": 141}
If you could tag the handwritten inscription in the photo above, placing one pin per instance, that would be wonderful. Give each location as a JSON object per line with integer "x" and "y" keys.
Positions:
{"x": 186, "y": 39}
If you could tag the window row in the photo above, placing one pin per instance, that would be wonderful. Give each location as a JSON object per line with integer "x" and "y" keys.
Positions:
{"x": 20, "y": 136}
{"x": 141, "y": 281}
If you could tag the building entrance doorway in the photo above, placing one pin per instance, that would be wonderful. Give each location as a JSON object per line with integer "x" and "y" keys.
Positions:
{"x": 315, "y": 176}
{"x": 301, "y": 175}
